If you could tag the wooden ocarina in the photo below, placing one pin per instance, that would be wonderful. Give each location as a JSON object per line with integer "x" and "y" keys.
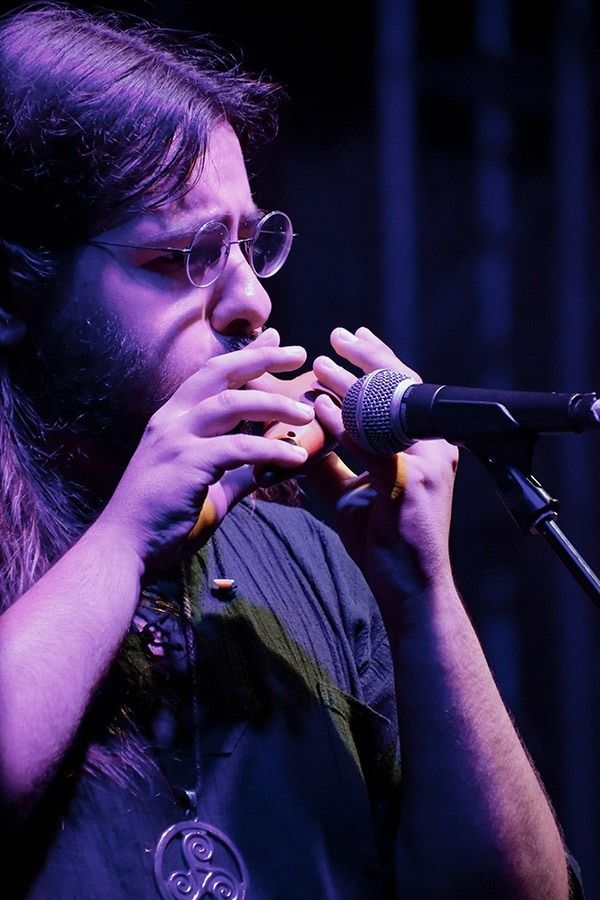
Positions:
{"x": 316, "y": 441}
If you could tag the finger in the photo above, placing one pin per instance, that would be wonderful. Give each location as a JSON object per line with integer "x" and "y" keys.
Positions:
{"x": 224, "y": 412}
{"x": 240, "y": 366}
{"x": 426, "y": 462}
{"x": 221, "y": 497}
{"x": 367, "y": 335}
{"x": 367, "y": 351}
{"x": 211, "y": 457}
{"x": 268, "y": 338}
{"x": 435, "y": 450}
{"x": 388, "y": 474}
{"x": 232, "y": 370}
{"x": 333, "y": 376}
{"x": 329, "y": 415}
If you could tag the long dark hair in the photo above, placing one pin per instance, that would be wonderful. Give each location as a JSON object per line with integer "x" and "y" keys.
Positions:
{"x": 102, "y": 116}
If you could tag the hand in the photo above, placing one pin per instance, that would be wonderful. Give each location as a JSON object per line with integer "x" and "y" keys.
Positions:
{"x": 191, "y": 459}
{"x": 312, "y": 437}
{"x": 400, "y": 507}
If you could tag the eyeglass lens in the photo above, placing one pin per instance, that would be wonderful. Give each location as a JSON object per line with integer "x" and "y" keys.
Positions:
{"x": 208, "y": 253}
{"x": 266, "y": 251}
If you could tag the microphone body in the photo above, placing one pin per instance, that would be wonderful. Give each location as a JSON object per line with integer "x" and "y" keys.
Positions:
{"x": 385, "y": 412}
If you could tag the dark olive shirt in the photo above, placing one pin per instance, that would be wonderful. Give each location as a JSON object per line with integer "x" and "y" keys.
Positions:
{"x": 296, "y": 724}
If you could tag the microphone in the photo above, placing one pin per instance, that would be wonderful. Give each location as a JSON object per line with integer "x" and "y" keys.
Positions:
{"x": 386, "y": 411}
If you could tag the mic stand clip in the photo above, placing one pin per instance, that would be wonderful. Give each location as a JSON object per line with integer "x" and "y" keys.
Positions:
{"x": 530, "y": 506}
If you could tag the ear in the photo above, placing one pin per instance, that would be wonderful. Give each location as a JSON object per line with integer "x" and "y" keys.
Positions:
{"x": 12, "y": 328}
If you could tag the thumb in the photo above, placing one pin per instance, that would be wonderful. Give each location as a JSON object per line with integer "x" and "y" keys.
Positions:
{"x": 221, "y": 497}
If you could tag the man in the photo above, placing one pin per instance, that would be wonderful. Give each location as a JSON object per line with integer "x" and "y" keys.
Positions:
{"x": 200, "y": 696}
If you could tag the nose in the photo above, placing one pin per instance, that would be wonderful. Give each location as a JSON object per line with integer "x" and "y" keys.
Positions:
{"x": 240, "y": 304}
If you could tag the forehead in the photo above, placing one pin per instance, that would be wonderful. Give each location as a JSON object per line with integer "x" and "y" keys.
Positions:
{"x": 221, "y": 175}
{"x": 219, "y": 189}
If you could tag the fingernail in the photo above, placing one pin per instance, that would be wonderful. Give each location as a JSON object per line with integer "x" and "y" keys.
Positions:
{"x": 325, "y": 400}
{"x": 344, "y": 335}
{"x": 300, "y": 452}
{"x": 304, "y": 408}
{"x": 293, "y": 350}
{"x": 268, "y": 334}
{"x": 325, "y": 362}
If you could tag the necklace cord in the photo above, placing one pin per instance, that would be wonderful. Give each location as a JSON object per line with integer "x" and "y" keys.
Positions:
{"x": 190, "y": 646}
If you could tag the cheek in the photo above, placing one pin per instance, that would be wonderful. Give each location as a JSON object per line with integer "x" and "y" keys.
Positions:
{"x": 184, "y": 350}
{"x": 171, "y": 326}
{"x": 139, "y": 309}
{"x": 146, "y": 315}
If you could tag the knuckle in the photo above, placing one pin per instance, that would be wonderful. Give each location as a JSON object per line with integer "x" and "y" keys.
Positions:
{"x": 242, "y": 443}
{"x": 153, "y": 426}
{"x": 219, "y": 368}
{"x": 228, "y": 400}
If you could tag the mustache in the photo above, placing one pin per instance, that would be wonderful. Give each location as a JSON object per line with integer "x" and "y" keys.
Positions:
{"x": 230, "y": 342}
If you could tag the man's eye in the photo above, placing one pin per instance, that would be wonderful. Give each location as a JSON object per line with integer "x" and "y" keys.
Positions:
{"x": 166, "y": 263}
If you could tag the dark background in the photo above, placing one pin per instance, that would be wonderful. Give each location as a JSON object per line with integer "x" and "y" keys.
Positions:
{"x": 440, "y": 163}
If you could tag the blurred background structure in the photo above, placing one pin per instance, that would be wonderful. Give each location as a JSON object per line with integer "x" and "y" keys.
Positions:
{"x": 440, "y": 163}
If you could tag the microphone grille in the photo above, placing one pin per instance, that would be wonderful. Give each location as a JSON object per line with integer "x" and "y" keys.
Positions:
{"x": 367, "y": 412}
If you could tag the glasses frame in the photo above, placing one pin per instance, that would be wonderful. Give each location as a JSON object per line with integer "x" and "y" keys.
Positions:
{"x": 244, "y": 243}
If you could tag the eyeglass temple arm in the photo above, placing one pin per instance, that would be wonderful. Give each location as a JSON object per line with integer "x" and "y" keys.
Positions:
{"x": 184, "y": 250}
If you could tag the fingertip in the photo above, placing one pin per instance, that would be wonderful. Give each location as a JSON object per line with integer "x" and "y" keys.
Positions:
{"x": 306, "y": 410}
{"x": 297, "y": 356}
{"x": 323, "y": 362}
{"x": 343, "y": 335}
{"x": 366, "y": 334}
{"x": 324, "y": 400}
{"x": 328, "y": 413}
{"x": 270, "y": 337}
{"x": 301, "y": 453}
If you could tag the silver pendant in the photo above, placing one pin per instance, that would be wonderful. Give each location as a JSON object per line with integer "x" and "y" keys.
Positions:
{"x": 195, "y": 861}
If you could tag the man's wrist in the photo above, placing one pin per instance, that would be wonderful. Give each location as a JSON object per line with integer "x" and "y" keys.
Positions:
{"x": 110, "y": 537}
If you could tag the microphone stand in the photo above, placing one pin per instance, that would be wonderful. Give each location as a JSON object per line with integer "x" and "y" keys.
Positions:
{"x": 508, "y": 460}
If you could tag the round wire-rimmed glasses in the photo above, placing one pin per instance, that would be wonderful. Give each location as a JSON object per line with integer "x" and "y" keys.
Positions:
{"x": 207, "y": 255}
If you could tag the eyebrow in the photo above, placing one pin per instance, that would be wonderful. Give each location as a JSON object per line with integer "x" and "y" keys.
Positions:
{"x": 186, "y": 233}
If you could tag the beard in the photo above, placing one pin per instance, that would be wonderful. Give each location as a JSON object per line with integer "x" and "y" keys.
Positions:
{"x": 89, "y": 382}
{"x": 93, "y": 388}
